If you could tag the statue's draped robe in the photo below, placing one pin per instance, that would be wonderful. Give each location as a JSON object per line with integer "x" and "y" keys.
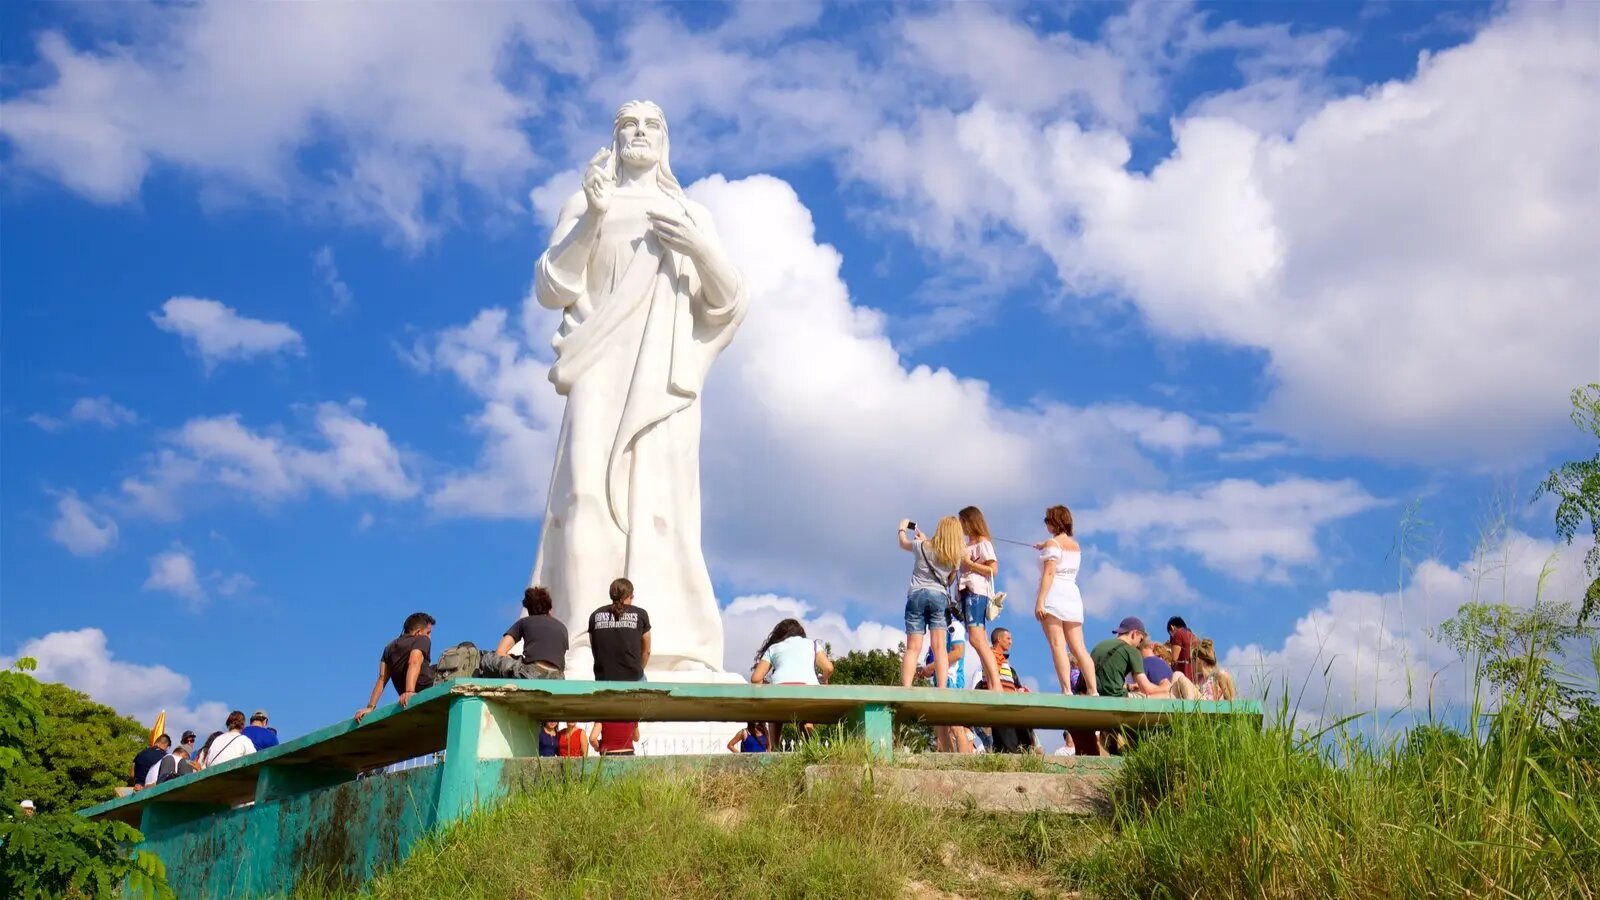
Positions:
{"x": 637, "y": 337}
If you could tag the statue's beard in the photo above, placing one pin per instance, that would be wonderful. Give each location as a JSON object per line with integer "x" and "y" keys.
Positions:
{"x": 639, "y": 155}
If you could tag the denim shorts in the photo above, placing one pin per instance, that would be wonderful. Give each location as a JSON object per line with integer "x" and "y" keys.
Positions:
{"x": 925, "y": 611}
{"x": 974, "y": 610}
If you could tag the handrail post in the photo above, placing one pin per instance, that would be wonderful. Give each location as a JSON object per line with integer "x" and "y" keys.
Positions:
{"x": 877, "y": 727}
{"x": 458, "y": 774}
{"x": 477, "y": 731}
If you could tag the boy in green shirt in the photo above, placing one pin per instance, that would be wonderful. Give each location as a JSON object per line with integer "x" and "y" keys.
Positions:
{"x": 1116, "y": 658}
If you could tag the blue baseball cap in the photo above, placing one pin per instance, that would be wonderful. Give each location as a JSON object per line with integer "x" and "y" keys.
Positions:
{"x": 1131, "y": 623}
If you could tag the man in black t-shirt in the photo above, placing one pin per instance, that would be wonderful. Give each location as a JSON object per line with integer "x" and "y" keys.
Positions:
{"x": 544, "y": 642}
{"x": 148, "y": 757}
{"x": 619, "y": 635}
{"x": 405, "y": 663}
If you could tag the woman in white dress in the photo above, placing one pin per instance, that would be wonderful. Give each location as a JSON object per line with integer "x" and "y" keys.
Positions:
{"x": 1059, "y": 608}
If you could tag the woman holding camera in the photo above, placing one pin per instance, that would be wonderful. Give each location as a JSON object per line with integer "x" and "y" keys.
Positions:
{"x": 933, "y": 568}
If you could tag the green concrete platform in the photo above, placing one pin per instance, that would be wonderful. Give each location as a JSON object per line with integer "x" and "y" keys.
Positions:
{"x": 308, "y": 812}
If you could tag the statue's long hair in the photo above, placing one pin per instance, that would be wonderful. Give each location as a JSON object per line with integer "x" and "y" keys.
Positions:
{"x": 664, "y": 177}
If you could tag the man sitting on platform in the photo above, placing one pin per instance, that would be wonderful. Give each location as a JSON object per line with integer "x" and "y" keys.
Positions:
{"x": 146, "y": 759}
{"x": 259, "y": 733}
{"x": 405, "y": 663}
{"x": 619, "y": 635}
{"x": 544, "y": 643}
{"x": 1004, "y": 739}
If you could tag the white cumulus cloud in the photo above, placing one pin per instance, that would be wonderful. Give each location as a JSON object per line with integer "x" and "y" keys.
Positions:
{"x": 748, "y": 619}
{"x": 354, "y": 457}
{"x": 1241, "y": 527}
{"x": 82, "y": 529}
{"x": 83, "y": 660}
{"x": 410, "y": 100}
{"x": 1407, "y": 308}
{"x": 174, "y": 572}
{"x": 219, "y": 334}
{"x": 101, "y": 411}
{"x": 1361, "y": 651}
{"x": 328, "y": 272}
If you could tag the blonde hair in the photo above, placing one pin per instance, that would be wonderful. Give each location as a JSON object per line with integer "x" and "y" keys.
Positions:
{"x": 948, "y": 544}
{"x": 1205, "y": 657}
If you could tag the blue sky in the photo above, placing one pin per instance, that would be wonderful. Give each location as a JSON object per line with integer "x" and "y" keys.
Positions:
{"x": 1241, "y": 284}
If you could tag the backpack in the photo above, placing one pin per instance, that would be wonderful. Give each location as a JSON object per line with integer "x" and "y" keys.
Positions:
{"x": 460, "y": 661}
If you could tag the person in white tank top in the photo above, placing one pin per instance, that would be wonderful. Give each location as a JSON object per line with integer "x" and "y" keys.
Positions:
{"x": 1059, "y": 607}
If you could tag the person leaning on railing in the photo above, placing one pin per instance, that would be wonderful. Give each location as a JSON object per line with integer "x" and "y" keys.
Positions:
{"x": 404, "y": 662}
{"x": 787, "y": 656}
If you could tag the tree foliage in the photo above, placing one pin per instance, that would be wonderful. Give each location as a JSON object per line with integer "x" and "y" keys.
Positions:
{"x": 75, "y": 754}
{"x": 20, "y": 709}
{"x": 62, "y": 750}
{"x": 1518, "y": 650}
{"x": 65, "y": 855}
{"x": 1577, "y": 484}
{"x": 881, "y": 667}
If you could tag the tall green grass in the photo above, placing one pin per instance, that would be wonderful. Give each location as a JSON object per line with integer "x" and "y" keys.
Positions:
{"x": 686, "y": 833}
{"x": 1220, "y": 808}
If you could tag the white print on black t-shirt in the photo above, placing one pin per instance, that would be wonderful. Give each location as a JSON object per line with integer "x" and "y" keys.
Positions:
{"x": 607, "y": 620}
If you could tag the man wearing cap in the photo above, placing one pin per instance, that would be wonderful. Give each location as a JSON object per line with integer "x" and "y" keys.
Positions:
{"x": 258, "y": 732}
{"x": 27, "y": 808}
{"x": 1116, "y": 661}
{"x": 1117, "y": 658}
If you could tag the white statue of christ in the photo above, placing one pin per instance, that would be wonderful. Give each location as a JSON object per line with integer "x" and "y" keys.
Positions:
{"x": 648, "y": 301}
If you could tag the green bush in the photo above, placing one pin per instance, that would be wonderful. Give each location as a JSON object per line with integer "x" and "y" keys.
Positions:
{"x": 56, "y": 854}
{"x": 63, "y": 855}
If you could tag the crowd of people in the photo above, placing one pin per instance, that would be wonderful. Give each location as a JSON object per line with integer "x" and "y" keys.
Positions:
{"x": 619, "y": 640}
{"x": 950, "y": 602}
{"x": 163, "y": 761}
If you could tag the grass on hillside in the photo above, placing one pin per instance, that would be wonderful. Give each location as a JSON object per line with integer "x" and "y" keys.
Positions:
{"x": 1220, "y": 809}
{"x": 1209, "y": 808}
{"x": 688, "y": 834}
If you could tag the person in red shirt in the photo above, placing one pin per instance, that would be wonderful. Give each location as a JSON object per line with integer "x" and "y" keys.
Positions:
{"x": 614, "y": 738}
{"x": 1183, "y": 643}
{"x": 570, "y": 742}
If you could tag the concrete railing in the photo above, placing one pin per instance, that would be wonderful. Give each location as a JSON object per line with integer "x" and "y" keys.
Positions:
{"x": 254, "y": 824}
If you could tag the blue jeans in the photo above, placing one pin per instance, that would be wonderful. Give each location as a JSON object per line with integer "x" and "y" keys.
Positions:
{"x": 974, "y": 610}
{"x": 925, "y": 611}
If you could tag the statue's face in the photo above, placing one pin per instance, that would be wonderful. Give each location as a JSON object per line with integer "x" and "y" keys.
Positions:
{"x": 641, "y": 134}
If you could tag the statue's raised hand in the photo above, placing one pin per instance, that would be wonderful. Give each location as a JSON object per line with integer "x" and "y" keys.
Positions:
{"x": 598, "y": 182}
{"x": 678, "y": 232}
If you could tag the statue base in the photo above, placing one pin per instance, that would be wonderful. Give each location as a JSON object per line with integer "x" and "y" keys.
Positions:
{"x": 687, "y": 738}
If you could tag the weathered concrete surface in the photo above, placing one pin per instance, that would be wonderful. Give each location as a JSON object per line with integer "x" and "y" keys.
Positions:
{"x": 1082, "y": 794}
{"x": 339, "y": 836}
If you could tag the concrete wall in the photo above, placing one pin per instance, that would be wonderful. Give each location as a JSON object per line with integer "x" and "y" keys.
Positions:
{"x": 343, "y": 834}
